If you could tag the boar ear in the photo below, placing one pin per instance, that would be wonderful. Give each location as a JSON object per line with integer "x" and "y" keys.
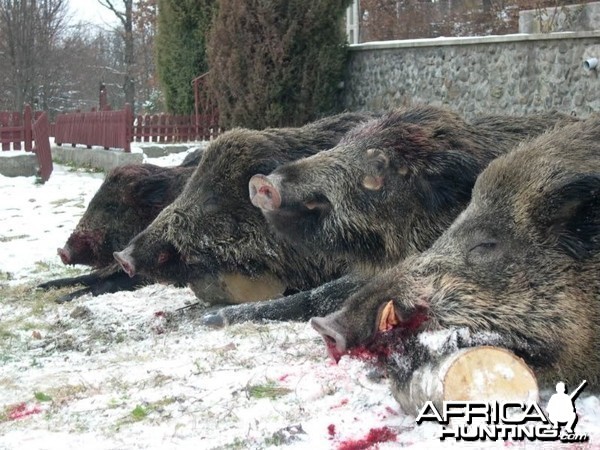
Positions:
{"x": 448, "y": 182}
{"x": 377, "y": 165}
{"x": 151, "y": 191}
{"x": 571, "y": 216}
{"x": 265, "y": 166}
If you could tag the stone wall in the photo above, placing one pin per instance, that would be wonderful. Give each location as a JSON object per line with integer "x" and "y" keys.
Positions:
{"x": 492, "y": 74}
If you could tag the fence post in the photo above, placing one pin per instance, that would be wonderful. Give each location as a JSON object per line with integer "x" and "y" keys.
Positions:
{"x": 41, "y": 135}
{"x": 27, "y": 123}
{"x": 128, "y": 132}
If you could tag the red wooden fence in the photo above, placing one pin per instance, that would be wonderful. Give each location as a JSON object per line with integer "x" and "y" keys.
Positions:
{"x": 18, "y": 129}
{"x": 172, "y": 128}
{"x": 116, "y": 129}
{"x": 108, "y": 129}
{"x": 15, "y": 128}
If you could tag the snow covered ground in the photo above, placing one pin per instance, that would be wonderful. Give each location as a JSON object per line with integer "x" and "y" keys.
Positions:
{"x": 133, "y": 370}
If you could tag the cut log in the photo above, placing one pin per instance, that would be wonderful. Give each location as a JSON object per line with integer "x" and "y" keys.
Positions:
{"x": 483, "y": 374}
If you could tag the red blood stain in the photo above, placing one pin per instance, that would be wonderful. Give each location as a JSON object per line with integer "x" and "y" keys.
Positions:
{"x": 384, "y": 343}
{"x": 84, "y": 246}
{"x": 20, "y": 411}
{"x": 363, "y": 352}
{"x": 284, "y": 377}
{"x": 375, "y": 436}
{"x": 160, "y": 314}
{"x": 360, "y": 352}
{"x": 334, "y": 353}
{"x": 343, "y": 402}
{"x": 387, "y": 342}
{"x": 391, "y": 410}
{"x": 331, "y": 430}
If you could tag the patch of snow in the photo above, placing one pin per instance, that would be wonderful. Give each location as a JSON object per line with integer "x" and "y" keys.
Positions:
{"x": 12, "y": 153}
{"x": 37, "y": 219}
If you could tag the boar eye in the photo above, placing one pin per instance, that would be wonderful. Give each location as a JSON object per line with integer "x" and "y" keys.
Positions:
{"x": 483, "y": 251}
{"x": 484, "y": 246}
{"x": 210, "y": 204}
{"x": 163, "y": 257}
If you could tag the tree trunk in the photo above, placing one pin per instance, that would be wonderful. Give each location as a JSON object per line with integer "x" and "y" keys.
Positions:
{"x": 129, "y": 83}
{"x": 126, "y": 19}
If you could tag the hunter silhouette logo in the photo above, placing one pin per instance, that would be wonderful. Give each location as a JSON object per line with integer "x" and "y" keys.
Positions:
{"x": 508, "y": 420}
{"x": 561, "y": 406}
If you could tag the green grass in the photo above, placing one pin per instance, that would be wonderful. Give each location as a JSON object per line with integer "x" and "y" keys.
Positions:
{"x": 139, "y": 413}
{"x": 41, "y": 397}
{"x": 237, "y": 444}
{"x": 5, "y": 276}
{"x": 57, "y": 270}
{"x": 42, "y": 266}
{"x": 4, "y": 414}
{"x": 78, "y": 168}
{"x": 268, "y": 390}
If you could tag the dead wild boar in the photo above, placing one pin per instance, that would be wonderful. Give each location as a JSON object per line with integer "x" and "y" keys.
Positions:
{"x": 386, "y": 191}
{"x": 213, "y": 238}
{"x": 391, "y": 186}
{"x": 520, "y": 268}
{"x": 128, "y": 200}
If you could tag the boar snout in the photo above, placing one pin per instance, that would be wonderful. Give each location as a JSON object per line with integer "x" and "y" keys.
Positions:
{"x": 263, "y": 193}
{"x": 126, "y": 261}
{"x": 336, "y": 342}
{"x": 65, "y": 255}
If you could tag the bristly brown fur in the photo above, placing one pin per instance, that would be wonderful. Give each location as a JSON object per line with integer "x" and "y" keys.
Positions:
{"x": 519, "y": 267}
{"x": 213, "y": 228}
{"x": 128, "y": 200}
{"x": 393, "y": 184}
{"x": 387, "y": 191}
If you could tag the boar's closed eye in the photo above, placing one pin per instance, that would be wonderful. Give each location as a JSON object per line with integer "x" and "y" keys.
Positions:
{"x": 210, "y": 204}
{"x": 484, "y": 251}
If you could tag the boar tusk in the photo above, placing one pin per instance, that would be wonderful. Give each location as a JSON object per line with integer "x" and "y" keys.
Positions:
{"x": 388, "y": 318}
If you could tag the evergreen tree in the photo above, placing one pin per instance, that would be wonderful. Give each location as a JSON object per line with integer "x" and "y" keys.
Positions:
{"x": 276, "y": 62}
{"x": 180, "y": 49}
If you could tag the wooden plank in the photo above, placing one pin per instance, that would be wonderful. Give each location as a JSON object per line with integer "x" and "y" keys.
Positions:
{"x": 126, "y": 126}
{"x": 41, "y": 136}
{"x": 4, "y": 131}
{"x": 18, "y": 133}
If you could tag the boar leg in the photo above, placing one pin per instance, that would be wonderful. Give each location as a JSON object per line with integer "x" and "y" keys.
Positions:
{"x": 73, "y": 295}
{"x": 84, "y": 280}
{"x": 97, "y": 283}
{"x": 302, "y": 306}
{"x": 117, "y": 282}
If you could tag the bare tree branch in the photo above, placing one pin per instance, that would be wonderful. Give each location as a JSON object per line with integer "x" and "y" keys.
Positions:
{"x": 110, "y": 5}
{"x": 126, "y": 19}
